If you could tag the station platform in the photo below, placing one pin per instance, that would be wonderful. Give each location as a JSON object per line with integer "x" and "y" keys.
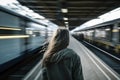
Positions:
{"x": 93, "y": 67}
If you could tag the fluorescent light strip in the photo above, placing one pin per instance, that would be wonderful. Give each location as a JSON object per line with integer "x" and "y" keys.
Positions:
{"x": 15, "y": 36}
{"x": 107, "y": 29}
{"x": 115, "y": 30}
{"x": 66, "y": 22}
{"x": 65, "y": 18}
{"x": 64, "y": 10}
{"x": 10, "y": 28}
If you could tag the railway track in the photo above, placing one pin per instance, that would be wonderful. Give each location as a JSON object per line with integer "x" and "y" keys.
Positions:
{"x": 110, "y": 60}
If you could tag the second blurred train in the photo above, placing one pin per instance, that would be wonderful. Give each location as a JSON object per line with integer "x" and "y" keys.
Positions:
{"x": 105, "y": 35}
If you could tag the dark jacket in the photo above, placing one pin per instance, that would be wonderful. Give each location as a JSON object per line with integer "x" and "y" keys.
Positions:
{"x": 65, "y": 65}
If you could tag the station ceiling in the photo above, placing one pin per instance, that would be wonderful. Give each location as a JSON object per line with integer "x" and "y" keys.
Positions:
{"x": 79, "y": 11}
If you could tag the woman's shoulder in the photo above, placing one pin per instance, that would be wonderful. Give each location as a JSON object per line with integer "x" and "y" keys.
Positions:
{"x": 71, "y": 53}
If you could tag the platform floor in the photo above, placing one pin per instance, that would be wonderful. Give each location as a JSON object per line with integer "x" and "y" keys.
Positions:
{"x": 93, "y": 67}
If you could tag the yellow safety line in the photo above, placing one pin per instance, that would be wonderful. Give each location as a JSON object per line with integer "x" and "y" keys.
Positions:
{"x": 6, "y": 28}
{"x": 14, "y": 36}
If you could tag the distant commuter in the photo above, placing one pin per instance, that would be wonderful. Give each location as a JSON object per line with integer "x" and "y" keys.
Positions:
{"x": 60, "y": 62}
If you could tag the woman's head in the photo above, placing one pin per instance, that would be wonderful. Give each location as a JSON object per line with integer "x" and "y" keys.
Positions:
{"x": 59, "y": 41}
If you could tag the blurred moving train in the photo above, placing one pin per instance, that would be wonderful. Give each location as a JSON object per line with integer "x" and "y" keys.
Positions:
{"x": 18, "y": 37}
{"x": 105, "y": 35}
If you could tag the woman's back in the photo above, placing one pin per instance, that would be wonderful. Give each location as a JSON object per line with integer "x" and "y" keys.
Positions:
{"x": 65, "y": 65}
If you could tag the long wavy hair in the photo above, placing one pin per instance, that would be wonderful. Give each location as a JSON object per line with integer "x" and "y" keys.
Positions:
{"x": 59, "y": 41}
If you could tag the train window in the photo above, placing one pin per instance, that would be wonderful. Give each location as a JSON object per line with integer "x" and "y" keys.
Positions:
{"x": 89, "y": 34}
{"x": 108, "y": 31}
{"x": 35, "y": 29}
{"x": 100, "y": 33}
{"x": 103, "y": 33}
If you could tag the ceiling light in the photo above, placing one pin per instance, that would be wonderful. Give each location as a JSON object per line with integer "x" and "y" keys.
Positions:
{"x": 64, "y": 10}
{"x": 66, "y": 22}
{"x": 107, "y": 29}
{"x": 65, "y": 18}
